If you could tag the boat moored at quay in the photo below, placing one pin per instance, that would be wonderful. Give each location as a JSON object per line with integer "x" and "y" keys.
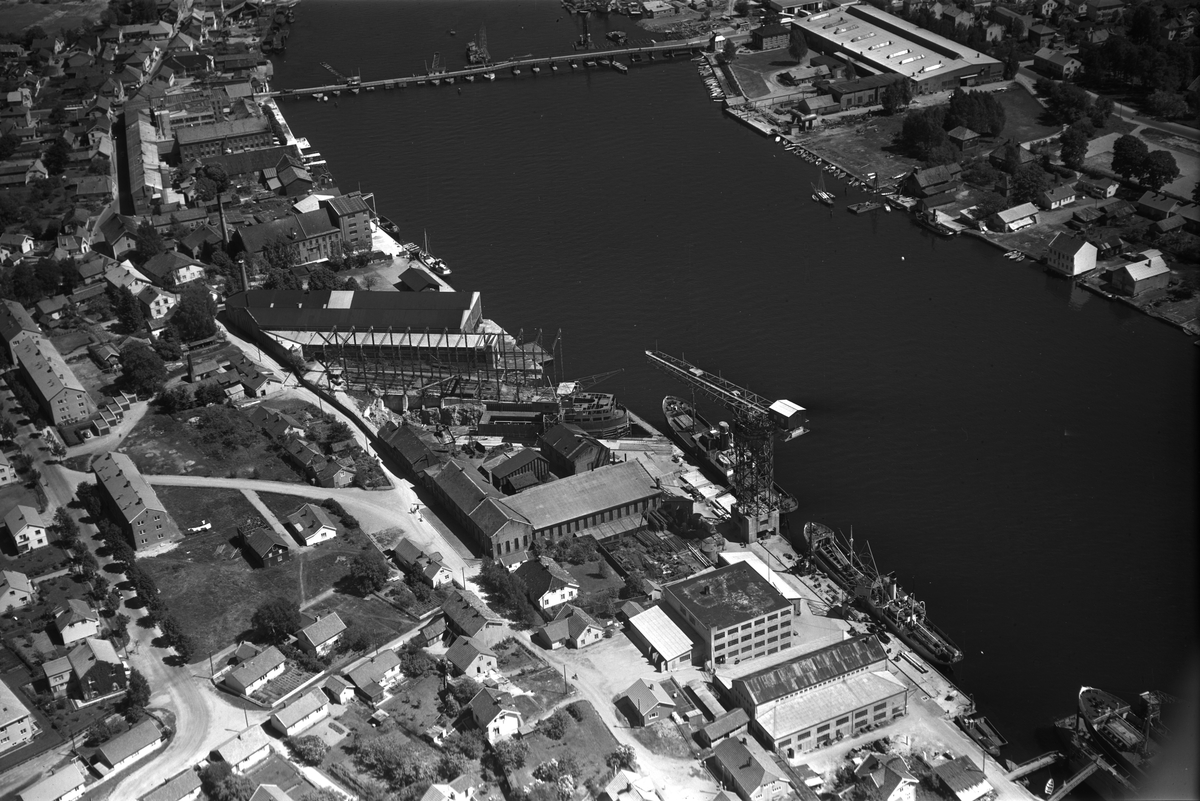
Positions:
{"x": 880, "y": 595}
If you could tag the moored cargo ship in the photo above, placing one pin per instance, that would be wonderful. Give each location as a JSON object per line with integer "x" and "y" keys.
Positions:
{"x": 880, "y": 595}
{"x": 712, "y": 445}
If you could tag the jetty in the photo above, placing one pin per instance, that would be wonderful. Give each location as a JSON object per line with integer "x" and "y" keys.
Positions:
{"x": 1037, "y": 763}
{"x": 515, "y": 66}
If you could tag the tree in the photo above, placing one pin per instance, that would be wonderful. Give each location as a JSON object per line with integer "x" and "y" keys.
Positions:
{"x": 1129, "y": 157}
{"x": 324, "y": 794}
{"x": 1167, "y": 105}
{"x": 211, "y": 182}
{"x": 798, "y": 47}
{"x": 196, "y": 315}
{"x": 1159, "y": 170}
{"x": 369, "y": 571}
{"x": 167, "y": 345}
{"x": 128, "y": 311}
{"x": 729, "y": 50}
{"x": 623, "y": 758}
{"x": 511, "y": 754}
{"x": 56, "y": 156}
{"x": 323, "y": 278}
{"x": 148, "y": 242}
{"x": 137, "y": 693}
{"x": 1029, "y": 182}
{"x": 555, "y": 726}
{"x": 276, "y": 618}
{"x": 1074, "y": 147}
{"x": 741, "y": 7}
{"x": 176, "y": 399}
{"x": 208, "y": 393}
{"x": 142, "y": 370}
{"x": 896, "y": 96}
{"x": 310, "y": 749}
{"x": 221, "y": 784}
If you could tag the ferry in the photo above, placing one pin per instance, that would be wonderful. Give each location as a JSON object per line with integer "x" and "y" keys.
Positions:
{"x": 597, "y": 413}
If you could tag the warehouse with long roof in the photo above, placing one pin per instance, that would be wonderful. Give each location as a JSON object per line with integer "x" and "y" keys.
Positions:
{"x": 880, "y": 43}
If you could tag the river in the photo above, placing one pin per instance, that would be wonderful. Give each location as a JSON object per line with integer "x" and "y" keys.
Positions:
{"x": 1021, "y": 453}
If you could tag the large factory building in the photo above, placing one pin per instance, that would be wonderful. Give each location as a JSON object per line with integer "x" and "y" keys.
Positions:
{"x": 879, "y": 43}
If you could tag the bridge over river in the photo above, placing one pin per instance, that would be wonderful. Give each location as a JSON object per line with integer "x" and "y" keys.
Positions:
{"x": 514, "y": 66}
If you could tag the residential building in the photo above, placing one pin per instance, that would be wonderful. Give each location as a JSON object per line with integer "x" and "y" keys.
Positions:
{"x": 127, "y": 748}
{"x": 1070, "y": 256}
{"x": 17, "y": 726}
{"x": 726, "y": 725}
{"x": 16, "y": 590}
{"x": 885, "y": 43}
{"x": 470, "y": 657}
{"x": 626, "y": 785}
{"x": 1056, "y": 63}
{"x": 61, "y": 395}
{"x": 770, "y": 37}
{"x": 460, "y": 789}
{"x": 960, "y": 776}
{"x": 887, "y": 778}
{"x": 134, "y": 502}
{"x": 495, "y": 713}
{"x": 253, "y": 674}
{"x": 351, "y": 214}
{"x": 657, "y": 8}
{"x": 65, "y": 784}
{"x": 322, "y": 635}
{"x": 217, "y": 138}
{"x": 1014, "y": 219}
{"x": 1057, "y": 196}
{"x": 305, "y": 712}
{"x": 156, "y": 303}
{"x": 27, "y": 527}
{"x": 467, "y": 614}
{"x": 965, "y": 141}
{"x": 645, "y": 702}
{"x": 733, "y": 612}
{"x": 569, "y": 450}
{"x": 1040, "y": 35}
{"x": 427, "y": 566}
{"x": 1145, "y": 273}
{"x": 338, "y": 689}
{"x": 923, "y": 183}
{"x": 1099, "y": 187}
{"x": 376, "y": 675}
{"x": 310, "y": 236}
{"x": 264, "y": 547}
{"x": 96, "y": 670}
{"x": 547, "y": 584}
{"x": 171, "y": 269}
{"x": 311, "y": 524}
{"x": 16, "y": 326}
{"x": 571, "y": 626}
{"x": 245, "y": 750}
{"x": 58, "y": 675}
{"x": 8, "y": 473}
{"x": 76, "y": 621}
{"x": 1105, "y": 10}
{"x": 1155, "y": 206}
{"x": 749, "y": 770}
{"x": 185, "y": 786}
{"x": 666, "y": 645}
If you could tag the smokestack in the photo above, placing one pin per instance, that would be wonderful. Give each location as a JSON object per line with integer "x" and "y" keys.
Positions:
{"x": 245, "y": 280}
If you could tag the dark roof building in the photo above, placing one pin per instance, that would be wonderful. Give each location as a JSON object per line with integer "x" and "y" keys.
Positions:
{"x": 809, "y": 670}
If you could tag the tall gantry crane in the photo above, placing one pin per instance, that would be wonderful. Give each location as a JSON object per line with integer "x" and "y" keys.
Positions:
{"x": 757, "y": 425}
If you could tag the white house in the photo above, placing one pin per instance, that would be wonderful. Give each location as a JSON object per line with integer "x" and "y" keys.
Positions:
{"x": 16, "y": 722}
{"x": 1057, "y": 196}
{"x": 321, "y": 636}
{"x": 302, "y": 713}
{"x": 253, "y": 674}
{"x": 156, "y": 302}
{"x": 66, "y": 784}
{"x": 494, "y": 712}
{"x": 8, "y": 473}
{"x": 471, "y": 657}
{"x": 125, "y": 749}
{"x": 246, "y": 750}
{"x": 1070, "y": 256}
{"x": 27, "y": 527}
{"x": 76, "y": 621}
{"x": 548, "y": 585}
{"x": 311, "y": 524}
{"x": 16, "y": 590}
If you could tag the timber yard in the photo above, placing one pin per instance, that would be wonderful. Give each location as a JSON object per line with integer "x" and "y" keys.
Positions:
{"x": 365, "y": 542}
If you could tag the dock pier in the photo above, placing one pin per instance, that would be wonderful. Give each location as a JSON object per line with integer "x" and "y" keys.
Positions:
{"x": 1037, "y": 763}
{"x": 640, "y": 54}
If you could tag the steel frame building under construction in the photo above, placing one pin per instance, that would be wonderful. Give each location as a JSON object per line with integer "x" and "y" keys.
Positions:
{"x": 394, "y": 342}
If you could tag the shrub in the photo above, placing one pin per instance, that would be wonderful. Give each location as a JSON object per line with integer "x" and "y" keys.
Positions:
{"x": 309, "y": 749}
{"x": 555, "y": 726}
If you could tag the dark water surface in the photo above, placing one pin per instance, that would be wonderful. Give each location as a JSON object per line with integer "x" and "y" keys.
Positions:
{"x": 1023, "y": 454}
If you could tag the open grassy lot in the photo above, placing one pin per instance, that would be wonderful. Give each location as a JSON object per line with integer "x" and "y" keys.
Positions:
{"x": 598, "y": 588}
{"x": 224, "y": 509}
{"x": 1023, "y": 116}
{"x": 284, "y": 505}
{"x": 370, "y": 612}
{"x": 414, "y": 706}
{"x": 166, "y": 444}
{"x": 663, "y": 737}
{"x": 543, "y": 689}
{"x": 587, "y": 741}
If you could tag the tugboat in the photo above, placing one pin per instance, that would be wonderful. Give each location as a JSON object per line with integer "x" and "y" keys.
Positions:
{"x": 713, "y": 446}
{"x": 880, "y": 595}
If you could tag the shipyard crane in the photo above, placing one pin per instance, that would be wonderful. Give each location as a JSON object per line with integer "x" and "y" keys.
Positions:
{"x": 757, "y": 425}
{"x": 586, "y": 383}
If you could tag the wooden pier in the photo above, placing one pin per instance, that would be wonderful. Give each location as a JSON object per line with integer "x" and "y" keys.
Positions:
{"x": 1074, "y": 781}
{"x": 580, "y": 59}
{"x": 1037, "y": 763}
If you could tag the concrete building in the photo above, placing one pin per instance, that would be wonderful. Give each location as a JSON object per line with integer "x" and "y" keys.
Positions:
{"x": 252, "y": 675}
{"x": 733, "y": 612}
{"x": 311, "y": 236}
{"x": 770, "y": 37}
{"x": 882, "y": 43}
{"x": 16, "y": 326}
{"x": 127, "y": 748}
{"x": 645, "y": 702}
{"x": 303, "y": 713}
{"x": 470, "y": 657}
{"x": 321, "y": 636}
{"x": 227, "y": 136}
{"x": 352, "y": 216}
{"x": 666, "y": 645}
{"x": 1070, "y": 256}
{"x": 133, "y": 502}
{"x": 16, "y": 723}
{"x": 16, "y": 590}
{"x": 311, "y": 524}
{"x": 749, "y": 770}
{"x": 61, "y": 395}
{"x": 27, "y": 527}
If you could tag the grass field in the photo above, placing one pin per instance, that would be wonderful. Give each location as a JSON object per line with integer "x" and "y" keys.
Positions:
{"x": 592, "y": 584}
{"x": 1023, "y": 118}
{"x": 162, "y": 444}
{"x": 587, "y": 740}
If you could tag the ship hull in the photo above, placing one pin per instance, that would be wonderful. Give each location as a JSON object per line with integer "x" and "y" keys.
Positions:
{"x": 676, "y": 411}
{"x": 1106, "y": 781}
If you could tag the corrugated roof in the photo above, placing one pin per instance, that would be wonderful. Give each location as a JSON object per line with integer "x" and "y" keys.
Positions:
{"x": 960, "y": 774}
{"x": 828, "y": 702}
{"x": 811, "y": 669}
{"x": 219, "y": 130}
{"x": 667, "y": 639}
{"x": 579, "y": 496}
{"x": 726, "y": 724}
{"x": 1017, "y": 212}
{"x": 352, "y": 203}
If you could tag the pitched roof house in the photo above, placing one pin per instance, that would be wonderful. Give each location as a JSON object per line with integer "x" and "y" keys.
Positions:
{"x": 76, "y": 621}
{"x": 374, "y": 676}
{"x": 144, "y": 518}
{"x": 547, "y": 584}
{"x": 311, "y": 524}
{"x": 58, "y": 391}
{"x": 647, "y": 701}
{"x": 16, "y": 590}
{"x": 322, "y": 635}
{"x": 471, "y": 657}
{"x": 749, "y": 770}
{"x": 571, "y": 626}
{"x": 129, "y": 747}
{"x": 494, "y": 712}
{"x": 252, "y": 675}
{"x": 96, "y": 669}
{"x": 27, "y": 527}
{"x": 305, "y": 711}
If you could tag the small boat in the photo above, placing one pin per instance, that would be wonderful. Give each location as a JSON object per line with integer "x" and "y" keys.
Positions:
{"x": 453, "y": 32}
{"x": 619, "y": 67}
{"x": 491, "y": 76}
{"x": 469, "y": 78}
{"x": 354, "y": 90}
{"x": 435, "y": 81}
{"x": 553, "y": 67}
{"x": 864, "y": 207}
{"x": 574, "y": 66}
{"x": 887, "y": 207}
{"x": 450, "y": 79}
{"x": 1049, "y": 791}
{"x": 516, "y": 70}
{"x": 535, "y": 69}
{"x": 822, "y": 195}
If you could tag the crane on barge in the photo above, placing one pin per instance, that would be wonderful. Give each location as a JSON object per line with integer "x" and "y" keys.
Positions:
{"x": 757, "y": 425}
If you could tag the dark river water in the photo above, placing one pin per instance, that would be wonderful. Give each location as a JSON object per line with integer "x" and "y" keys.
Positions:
{"x": 1021, "y": 453}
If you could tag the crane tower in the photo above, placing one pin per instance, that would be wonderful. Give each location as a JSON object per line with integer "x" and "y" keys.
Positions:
{"x": 757, "y": 424}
